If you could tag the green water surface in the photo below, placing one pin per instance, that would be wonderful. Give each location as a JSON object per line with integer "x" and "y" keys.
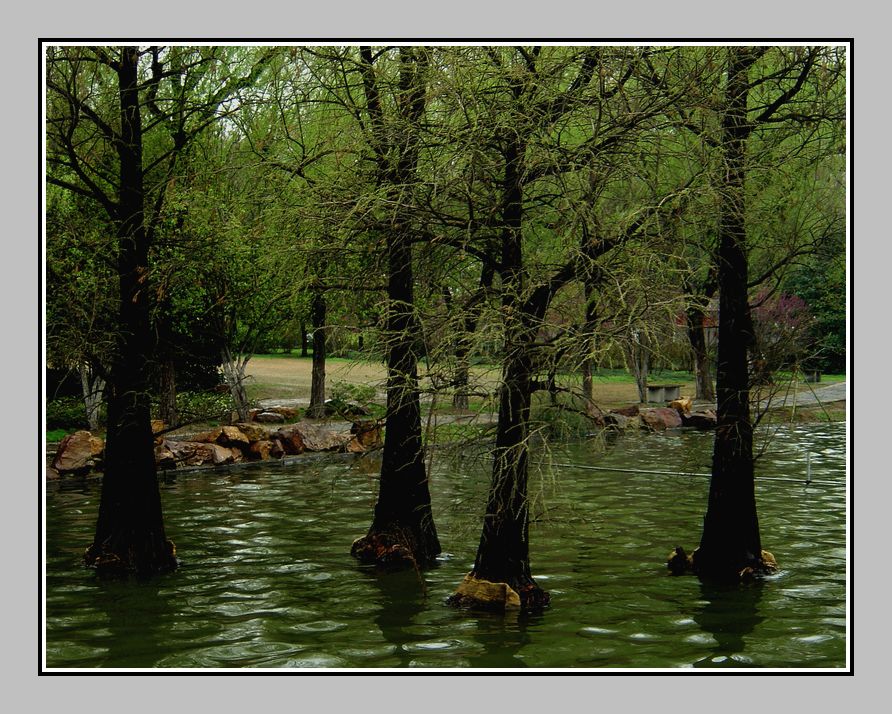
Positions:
{"x": 266, "y": 579}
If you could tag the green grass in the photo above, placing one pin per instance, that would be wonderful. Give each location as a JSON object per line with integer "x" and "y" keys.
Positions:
{"x": 58, "y": 434}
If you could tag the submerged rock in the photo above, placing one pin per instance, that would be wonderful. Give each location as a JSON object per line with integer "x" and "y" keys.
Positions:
{"x": 476, "y": 592}
{"x": 700, "y": 420}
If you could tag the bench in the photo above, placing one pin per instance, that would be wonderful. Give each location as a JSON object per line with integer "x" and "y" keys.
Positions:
{"x": 663, "y": 392}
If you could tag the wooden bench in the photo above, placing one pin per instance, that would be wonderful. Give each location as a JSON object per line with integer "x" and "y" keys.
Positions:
{"x": 662, "y": 392}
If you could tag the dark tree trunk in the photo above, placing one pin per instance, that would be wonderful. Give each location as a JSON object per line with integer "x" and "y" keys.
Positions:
{"x": 402, "y": 533}
{"x": 503, "y": 552}
{"x": 695, "y": 317}
{"x": 316, "y": 410}
{"x": 130, "y": 533}
{"x": 730, "y": 544}
{"x": 167, "y": 411}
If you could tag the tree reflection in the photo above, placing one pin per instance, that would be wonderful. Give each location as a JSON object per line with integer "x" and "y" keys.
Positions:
{"x": 729, "y": 613}
{"x": 402, "y": 599}
{"x": 502, "y": 636}
{"x": 140, "y": 616}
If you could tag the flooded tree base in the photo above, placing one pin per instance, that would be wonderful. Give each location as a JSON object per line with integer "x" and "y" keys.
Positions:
{"x": 108, "y": 562}
{"x": 682, "y": 563}
{"x": 387, "y": 551}
{"x": 479, "y": 594}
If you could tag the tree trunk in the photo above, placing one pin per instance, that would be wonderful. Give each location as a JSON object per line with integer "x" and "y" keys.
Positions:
{"x": 502, "y": 562}
{"x": 94, "y": 392}
{"x": 234, "y": 374}
{"x": 503, "y": 553}
{"x": 730, "y": 545}
{"x": 316, "y": 410}
{"x": 304, "y": 343}
{"x": 168, "y": 392}
{"x": 637, "y": 357}
{"x": 130, "y": 533}
{"x": 402, "y": 533}
{"x": 460, "y": 398}
{"x": 695, "y": 316}
{"x": 588, "y": 344}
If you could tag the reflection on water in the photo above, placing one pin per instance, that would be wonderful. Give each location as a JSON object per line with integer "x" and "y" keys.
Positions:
{"x": 267, "y": 579}
{"x": 729, "y": 613}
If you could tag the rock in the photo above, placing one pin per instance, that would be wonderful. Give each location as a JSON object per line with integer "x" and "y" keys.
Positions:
{"x": 660, "y": 418}
{"x": 207, "y": 437}
{"x": 266, "y": 449}
{"x": 192, "y": 453}
{"x": 253, "y": 431}
{"x": 366, "y": 436}
{"x": 225, "y": 455}
{"x": 682, "y": 406}
{"x": 158, "y": 426}
{"x": 78, "y": 453}
{"x": 291, "y": 439}
{"x": 270, "y": 418}
{"x": 252, "y": 414}
{"x": 287, "y": 412}
{"x": 317, "y": 437}
{"x": 232, "y": 436}
{"x": 476, "y": 592}
{"x": 679, "y": 562}
{"x": 700, "y": 420}
{"x": 51, "y": 473}
{"x": 164, "y": 457}
{"x": 631, "y": 411}
{"x": 619, "y": 421}
{"x": 305, "y": 436}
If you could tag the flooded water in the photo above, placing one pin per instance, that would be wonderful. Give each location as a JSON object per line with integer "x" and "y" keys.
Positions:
{"x": 266, "y": 578}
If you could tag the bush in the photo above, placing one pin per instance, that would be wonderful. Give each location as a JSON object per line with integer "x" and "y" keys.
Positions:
{"x": 199, "y": 406}
{"x": 558, "y": 422}
{"x": 361, "y": 394}
{"x": 67, "y": 413}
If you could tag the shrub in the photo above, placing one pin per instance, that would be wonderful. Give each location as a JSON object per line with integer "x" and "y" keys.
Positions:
{"x": 361, "y": 394}
{"x": 67, "y": 413}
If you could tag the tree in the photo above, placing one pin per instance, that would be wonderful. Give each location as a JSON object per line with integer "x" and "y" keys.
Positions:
{"x": 549, "y": 121}
{"x": 775, "y": 102}
{"x": 371, "y": 103}
{"x": 118, "y": 120}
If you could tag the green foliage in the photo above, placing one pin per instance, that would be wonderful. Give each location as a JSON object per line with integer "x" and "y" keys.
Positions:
{"x": 362, "y": 394}
{"x": 67, "y": 413}
{"x": 557, "y": 422}
{"x": 822, "y": 284}
{"x": 200, "y": 406}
